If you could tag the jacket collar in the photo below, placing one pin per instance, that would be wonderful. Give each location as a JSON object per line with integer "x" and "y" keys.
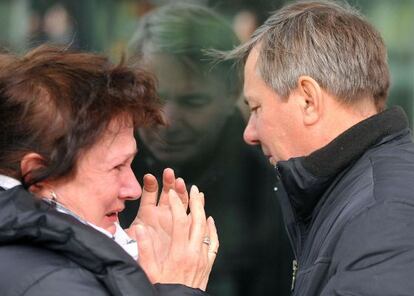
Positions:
{"x": 25, "y": 218}
{"x": 306, "y": 178}
{"x": 7, "y": 182}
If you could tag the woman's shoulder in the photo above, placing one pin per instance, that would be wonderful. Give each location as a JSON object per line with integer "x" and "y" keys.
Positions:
{"x": 30, "y": 270}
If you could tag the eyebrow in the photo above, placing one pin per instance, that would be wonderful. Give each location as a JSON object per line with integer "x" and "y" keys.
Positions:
{"x": 126, "y": 156}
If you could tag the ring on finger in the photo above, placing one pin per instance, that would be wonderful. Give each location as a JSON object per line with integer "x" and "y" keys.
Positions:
{"x": 207, "y": 240}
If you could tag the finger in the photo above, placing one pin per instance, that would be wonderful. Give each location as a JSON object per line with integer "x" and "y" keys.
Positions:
{"x": 203, "y": 200}
{"x": 150, "y": 191}
{"x": 168, "y": 182}
{"x": 203, "y": 262}
{"x": 198, "y": 218}
{"x": 180, "y": 227}
{"x": 212, "y": 252}
{"x": 214, "y": 240}
{"x": 146, "y": 253}
{"x": 182, "y": 192}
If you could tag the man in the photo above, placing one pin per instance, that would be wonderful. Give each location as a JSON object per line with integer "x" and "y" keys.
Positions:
{"x": 203, "y": 143}
{"x": 316, "y": 82}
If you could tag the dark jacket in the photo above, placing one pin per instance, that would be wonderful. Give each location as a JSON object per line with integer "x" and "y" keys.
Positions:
{"x": 349, "y": 211}
{"x": 255, "y": 255}
{"x": 44, "y": 252}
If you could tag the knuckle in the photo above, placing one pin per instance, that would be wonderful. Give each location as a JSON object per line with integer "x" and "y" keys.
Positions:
{"x": 181, "y": 221}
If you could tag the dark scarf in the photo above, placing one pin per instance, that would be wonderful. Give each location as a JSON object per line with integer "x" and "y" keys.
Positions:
{"x": 306, "y": 178}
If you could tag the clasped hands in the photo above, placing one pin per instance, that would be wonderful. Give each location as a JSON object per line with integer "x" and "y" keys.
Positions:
{"x": 173, "y": 246}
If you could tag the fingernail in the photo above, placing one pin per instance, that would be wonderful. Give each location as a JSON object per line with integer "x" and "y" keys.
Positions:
{"x": 194, "y": 189}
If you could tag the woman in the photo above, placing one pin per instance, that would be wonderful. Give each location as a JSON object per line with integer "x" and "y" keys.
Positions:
{"x": 67, "y": 136}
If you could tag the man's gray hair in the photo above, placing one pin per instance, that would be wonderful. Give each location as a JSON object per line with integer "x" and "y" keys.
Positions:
{"x": 328, "y": 41}
{"x": 188, "y": 32}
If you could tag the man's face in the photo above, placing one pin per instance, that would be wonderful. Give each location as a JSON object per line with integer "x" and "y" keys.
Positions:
{"x": 275, "y": 123}
{"x": 195, "y": 106}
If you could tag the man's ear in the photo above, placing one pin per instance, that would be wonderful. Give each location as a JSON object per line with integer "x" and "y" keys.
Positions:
{"x": 311, "y": 99}
{"x": 31, "y": 162}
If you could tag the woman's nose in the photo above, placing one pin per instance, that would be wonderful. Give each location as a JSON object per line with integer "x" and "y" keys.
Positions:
{"x": 131, "y": 188}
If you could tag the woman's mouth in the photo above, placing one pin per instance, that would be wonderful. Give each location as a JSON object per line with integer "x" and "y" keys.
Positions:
{"x": 112, "y": 217}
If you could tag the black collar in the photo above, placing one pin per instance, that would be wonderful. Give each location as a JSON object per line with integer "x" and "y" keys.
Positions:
{"x": 25, "y": 219}
{"x": 307, "y": 178}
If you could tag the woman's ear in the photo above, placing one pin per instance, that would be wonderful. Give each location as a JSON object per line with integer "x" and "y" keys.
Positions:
{"x": 311, "y": 99}
{"x": 31, "y": 162}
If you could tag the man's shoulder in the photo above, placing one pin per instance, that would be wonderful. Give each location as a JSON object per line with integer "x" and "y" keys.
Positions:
{"x": 389, "y": 165}
{"x": 382, "y": 175}
{"x": 393, "y": 171}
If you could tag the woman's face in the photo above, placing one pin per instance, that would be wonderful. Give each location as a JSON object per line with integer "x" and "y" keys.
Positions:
{"x": 103, "y": 178}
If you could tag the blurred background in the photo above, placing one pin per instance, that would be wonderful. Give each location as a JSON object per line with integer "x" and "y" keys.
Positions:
{"x": 107, "y": 25}
{"x": 199, "y": 103}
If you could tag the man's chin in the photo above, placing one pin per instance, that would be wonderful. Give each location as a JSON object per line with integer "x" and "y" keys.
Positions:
{"x": 272, "y": 160}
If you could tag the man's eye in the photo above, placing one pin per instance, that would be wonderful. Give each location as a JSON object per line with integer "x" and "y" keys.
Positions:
{"x": 254, "y": 109}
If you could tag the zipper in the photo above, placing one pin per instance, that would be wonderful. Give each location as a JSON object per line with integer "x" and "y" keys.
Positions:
{"x": 292, "y": 229}
{"x": 296, "y": 229}
{"x": 295, "y": 268}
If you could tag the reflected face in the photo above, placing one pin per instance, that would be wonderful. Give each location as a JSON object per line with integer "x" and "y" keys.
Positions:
{"x": 274, "y": 123}
{"x": 103, "y": 179}
{"x": 195, "y": 106}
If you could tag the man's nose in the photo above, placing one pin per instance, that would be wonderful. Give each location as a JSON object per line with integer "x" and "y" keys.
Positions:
{"x": 250, "y": 133}
{"x": 172, "y": 113}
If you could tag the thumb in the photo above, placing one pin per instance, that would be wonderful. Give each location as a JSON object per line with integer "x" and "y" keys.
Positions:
{"x": 146, "y": 254}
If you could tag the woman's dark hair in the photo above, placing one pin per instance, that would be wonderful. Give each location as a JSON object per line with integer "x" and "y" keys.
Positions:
{"x": 57, "y": 103}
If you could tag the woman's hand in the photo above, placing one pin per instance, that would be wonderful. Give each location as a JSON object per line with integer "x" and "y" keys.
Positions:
{"x": 189, "y": 256}
{"x": 157, "y": 213}
{"x": 164, "y": 232}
